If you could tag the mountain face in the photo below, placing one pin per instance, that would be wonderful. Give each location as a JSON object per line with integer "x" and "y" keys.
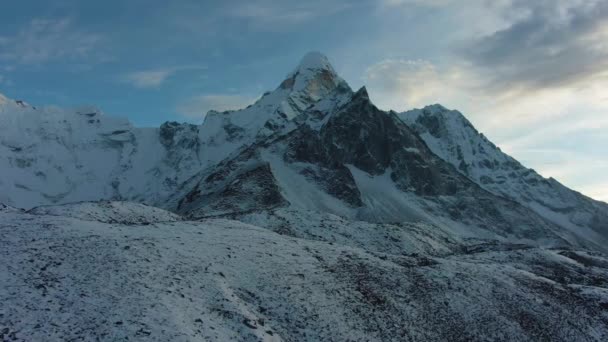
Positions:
{"x": 49, "y": 155}
{"x": 452, "y": 137}
{"x": 311, "y": 144}
{"x": 418, "y": 222}
{"x": 385, "y": 174}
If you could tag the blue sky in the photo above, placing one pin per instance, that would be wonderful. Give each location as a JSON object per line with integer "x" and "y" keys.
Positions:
{"x": 531, "y": 75}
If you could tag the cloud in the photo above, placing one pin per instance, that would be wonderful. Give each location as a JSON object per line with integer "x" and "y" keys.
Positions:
{"x": 549, "y": 43}
{"x": 427, "y": 3}
{"x": 554, "y": 130}
{"x": 596, "y": 190}
{"x": 210, "y": 20}
{"x": 406, "y": 82}
{"x": 46, "y": 40}
{"x": 148, "y": 79}
{"x": 155, "y": 78}
{"x": 401, "y": 84}
{"x": 276, "y": 15}
{"x": 197, "y": 107}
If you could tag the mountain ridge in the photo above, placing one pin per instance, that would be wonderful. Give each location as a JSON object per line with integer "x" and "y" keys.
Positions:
{"x": 418, "y": 147}
{"x": 451, "y": 136}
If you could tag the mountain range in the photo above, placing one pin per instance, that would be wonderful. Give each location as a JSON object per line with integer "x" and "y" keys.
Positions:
{"x": 422, "y": 224}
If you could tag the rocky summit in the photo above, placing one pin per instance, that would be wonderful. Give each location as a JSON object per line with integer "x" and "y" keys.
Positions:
{"x": 310, "y": 215}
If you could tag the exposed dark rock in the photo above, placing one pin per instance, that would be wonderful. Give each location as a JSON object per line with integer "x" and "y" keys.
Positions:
{"x": 252, "y": 189}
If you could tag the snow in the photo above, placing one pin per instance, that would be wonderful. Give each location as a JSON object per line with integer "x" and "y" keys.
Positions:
{"x": 109, "y": 212}
{"x": 314, "y": 61}
{"x": 384, "y": 202}
{"x": 391, "y": 238}
{"x": 65, "y": 278}
{"x": 52, "y": 155}
{"x": 302, "y": 193}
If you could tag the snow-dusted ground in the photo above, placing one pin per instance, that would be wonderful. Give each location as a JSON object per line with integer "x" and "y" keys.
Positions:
{"x": 65, "y": 278}
{"x": 109, "y": 212}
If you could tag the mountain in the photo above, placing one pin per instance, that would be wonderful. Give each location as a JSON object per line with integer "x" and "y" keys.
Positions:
{"x": 311, "y": 144}
{"x": 309, "y": 215}
{"x": 385, "y": 174}
{"x": 453, "y": 138}
{"x": 51, "y": 155}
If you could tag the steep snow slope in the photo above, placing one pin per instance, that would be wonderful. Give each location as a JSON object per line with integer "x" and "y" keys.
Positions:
{"x": 452, "y": 137}
{"x": 50, "y": 155}
{"x": 69, "y": 279}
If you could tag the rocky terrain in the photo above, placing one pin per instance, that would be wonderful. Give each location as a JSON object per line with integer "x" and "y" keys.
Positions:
{"x": 66, "y": 278}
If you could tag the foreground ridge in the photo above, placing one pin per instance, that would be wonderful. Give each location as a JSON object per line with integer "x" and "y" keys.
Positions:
{"x": 68, "y": 278}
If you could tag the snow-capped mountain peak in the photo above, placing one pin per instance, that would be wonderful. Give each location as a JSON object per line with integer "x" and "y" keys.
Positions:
{"x": 314, "y": 62}
{"x": 315, "y": 59}
{"x": 312, "y": 80}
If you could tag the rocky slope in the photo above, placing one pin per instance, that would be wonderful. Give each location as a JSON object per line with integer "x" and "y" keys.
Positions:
{"x": 70, "y": 279}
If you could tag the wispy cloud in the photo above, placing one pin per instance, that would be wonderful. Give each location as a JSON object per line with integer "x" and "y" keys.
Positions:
{"x": 431, "y": 3}
{"x": 147, "y": 79}
{"x": 197, "y": 107}
{"x": 156, "y": 77}
{"x": 208, "y": 20}
{"x": 276, "y": 15}
{"x": 401, "y": 84}
{"x": 46, "y": 40}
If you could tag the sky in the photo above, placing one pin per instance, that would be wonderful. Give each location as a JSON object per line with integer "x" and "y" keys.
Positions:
{"x": 530, "y": 75}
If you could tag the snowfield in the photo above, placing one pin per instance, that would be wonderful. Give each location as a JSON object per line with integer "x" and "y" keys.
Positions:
{"x": 66, "y": 278}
